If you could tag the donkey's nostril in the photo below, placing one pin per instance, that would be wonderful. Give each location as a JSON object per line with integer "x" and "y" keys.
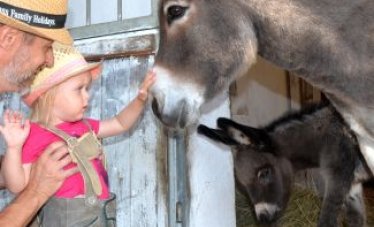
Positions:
{"x": 264, "y": 218}
{"x": 156, "y": 108}
{"x": 174, "y": 116}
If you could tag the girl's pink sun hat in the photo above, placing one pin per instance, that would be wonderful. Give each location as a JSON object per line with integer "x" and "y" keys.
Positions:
{"x": 68, "y": 62}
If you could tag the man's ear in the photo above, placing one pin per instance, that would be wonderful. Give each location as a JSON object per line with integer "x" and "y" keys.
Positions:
{"x": 9, "y": 36}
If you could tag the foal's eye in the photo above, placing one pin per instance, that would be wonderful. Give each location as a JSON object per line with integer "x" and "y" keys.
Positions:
{"x": 175, "y": 12}
{"x": 264, "y": 175}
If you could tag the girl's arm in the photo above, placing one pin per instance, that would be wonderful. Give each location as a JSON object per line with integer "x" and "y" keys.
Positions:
{"x": 15, "y": 132}
{"x": 16, "y": 175}
{"x": 46, "y": 176}
{"x": 130, "y": 114}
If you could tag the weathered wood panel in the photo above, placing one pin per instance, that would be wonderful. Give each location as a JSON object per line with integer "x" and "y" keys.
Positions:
{"x": 135, "y": 158}
{"x": 138, "y": 158}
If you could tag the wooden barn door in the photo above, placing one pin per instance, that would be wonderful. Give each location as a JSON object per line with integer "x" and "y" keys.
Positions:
{"x": 123, "y": 34}
{"x": 136, "y": 159}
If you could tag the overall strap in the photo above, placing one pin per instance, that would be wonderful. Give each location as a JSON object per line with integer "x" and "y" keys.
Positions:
{"x": 91, "y": 181}
{"x": 104, "y": 159}
{"x": 70, "y": 140}
{"x": 90, "y": 176}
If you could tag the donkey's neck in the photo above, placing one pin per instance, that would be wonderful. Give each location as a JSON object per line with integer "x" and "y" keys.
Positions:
{"x": 319, "y": 40}
{"x": 290, "y": 32}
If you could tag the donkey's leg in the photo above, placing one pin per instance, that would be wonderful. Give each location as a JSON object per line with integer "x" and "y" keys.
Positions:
{"x": 336, "y": 188}
{"x": 355, "y": 207}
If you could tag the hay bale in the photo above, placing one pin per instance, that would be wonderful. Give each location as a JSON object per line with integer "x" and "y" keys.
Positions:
{"x": 303, "y": 209}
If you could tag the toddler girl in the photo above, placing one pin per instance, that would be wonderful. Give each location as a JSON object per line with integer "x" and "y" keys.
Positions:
{"x": 58, "y": 99}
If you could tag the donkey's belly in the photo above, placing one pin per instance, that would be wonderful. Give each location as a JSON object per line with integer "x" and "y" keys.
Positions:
{"x": 361, "y": 121}
{"x": 367, "y": 150}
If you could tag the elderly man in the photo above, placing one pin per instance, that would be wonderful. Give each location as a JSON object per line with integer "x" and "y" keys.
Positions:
{"x": 27, "y": 31}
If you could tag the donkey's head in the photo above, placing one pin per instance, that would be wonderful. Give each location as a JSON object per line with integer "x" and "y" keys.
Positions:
{"x": 203, "y": 46}
{"x": 261, "y": 174}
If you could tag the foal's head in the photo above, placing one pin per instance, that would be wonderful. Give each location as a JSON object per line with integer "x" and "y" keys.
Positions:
{"x": 261, "y": 173}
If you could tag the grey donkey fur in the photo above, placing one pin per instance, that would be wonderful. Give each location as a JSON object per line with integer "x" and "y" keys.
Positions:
{"x": 266, "y": 158}
{"x": 206, "y": 44}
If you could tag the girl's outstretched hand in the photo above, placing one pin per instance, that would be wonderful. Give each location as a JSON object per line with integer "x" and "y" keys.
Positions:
{"x": 148, "y": 81}
{"x": 15, "y": 130}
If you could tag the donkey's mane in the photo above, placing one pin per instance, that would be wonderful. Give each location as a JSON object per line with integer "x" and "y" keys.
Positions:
{"x": 295, "y": 115}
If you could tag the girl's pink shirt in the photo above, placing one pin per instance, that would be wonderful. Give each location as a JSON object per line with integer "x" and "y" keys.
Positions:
{"x": 40, "y": 138}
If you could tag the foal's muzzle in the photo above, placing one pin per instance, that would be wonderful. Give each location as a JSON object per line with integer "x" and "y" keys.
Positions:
{"x": 267, "y": 213}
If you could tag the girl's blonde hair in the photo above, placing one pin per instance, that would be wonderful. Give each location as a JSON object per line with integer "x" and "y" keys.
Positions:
{"x": 41, "y": 110}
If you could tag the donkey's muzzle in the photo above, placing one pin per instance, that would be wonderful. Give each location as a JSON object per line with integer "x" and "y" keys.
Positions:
{"x": 267, "y": 213}
{"x": 175, "y": 118}
{"x": 175, "y": 103}
{"x": 266, "y": 218}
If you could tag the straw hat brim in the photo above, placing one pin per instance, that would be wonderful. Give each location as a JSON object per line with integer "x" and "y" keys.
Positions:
{"x": 94, "y": 69}
{"x": 61, "y": 34}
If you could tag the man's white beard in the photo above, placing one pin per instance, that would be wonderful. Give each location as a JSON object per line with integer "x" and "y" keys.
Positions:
{"x": 13, "y": 74}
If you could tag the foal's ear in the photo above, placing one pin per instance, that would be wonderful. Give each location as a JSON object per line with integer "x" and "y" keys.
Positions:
{"x": 216, "y": 134}
{"x": 243, "y": 134}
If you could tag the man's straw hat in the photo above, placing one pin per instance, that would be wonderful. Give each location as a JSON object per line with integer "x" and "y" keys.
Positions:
{"x": 68, "y": 63}
{"x": 40, "y": 17}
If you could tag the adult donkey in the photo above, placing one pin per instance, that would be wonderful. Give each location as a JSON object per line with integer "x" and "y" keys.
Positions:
{"x": 206, "y": 44}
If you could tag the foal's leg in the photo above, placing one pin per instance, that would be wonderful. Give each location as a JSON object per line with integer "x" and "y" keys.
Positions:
{"x": 355, "y": 207}
{"x": 336, "y": 188}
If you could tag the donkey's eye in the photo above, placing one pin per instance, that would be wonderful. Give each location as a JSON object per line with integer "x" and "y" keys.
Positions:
{"x": 175, "y": 12}
{"x": 264, "y": 175}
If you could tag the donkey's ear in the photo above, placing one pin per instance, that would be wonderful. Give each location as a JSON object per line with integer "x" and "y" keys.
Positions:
{"x": 243, "y": 134}
{"x": 216, "y": 134}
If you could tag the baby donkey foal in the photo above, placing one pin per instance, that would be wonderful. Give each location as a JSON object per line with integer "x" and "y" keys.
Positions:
{"x": 266, "y": 158}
